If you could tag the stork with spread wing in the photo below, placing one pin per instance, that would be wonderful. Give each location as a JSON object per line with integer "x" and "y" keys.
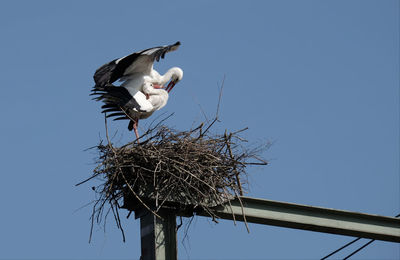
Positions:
{"x": 143, "y": 89}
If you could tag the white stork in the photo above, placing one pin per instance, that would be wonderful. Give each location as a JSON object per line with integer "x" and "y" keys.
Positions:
{"x": 142, "y": 91}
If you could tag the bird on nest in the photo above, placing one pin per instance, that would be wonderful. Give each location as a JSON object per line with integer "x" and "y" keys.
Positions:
{"x": 142, "y": 91}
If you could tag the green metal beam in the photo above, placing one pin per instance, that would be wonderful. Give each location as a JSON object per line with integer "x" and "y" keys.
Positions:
{"x": 158, "y": 236}
{"x": 311, "y": 218}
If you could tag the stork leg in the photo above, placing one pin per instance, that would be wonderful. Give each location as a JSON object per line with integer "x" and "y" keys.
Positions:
{"x": 135, "y": 125}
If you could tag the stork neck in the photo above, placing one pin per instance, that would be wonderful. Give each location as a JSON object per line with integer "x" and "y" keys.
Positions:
{"x": 167, "y": 76}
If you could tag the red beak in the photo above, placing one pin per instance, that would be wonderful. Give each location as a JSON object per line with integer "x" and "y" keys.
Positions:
{"x": 156, "y": 86}
{"x": 170, "y": 85}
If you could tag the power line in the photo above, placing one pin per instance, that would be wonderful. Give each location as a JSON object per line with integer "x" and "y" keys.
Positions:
{"x": 354, "y": 252}
{"x": 337, "y": 250}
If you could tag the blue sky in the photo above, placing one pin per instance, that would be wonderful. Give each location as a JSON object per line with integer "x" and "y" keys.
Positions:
{"x": 320, "y": 79}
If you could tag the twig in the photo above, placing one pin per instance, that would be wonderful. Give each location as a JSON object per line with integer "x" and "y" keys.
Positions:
{"x": 139, "y": 199}
{"x": 219, "y": 97}
{"x": 244, "y": 215}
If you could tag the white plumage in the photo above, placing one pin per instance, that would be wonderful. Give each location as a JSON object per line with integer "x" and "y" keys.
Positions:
{"x": 142, "y": 90}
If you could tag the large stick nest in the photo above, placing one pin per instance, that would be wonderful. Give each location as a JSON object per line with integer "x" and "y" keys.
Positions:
{"x": 188, "y": 171}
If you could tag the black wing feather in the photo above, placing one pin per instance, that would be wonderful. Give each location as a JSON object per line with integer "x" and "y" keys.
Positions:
{"x": 103, "y": 74}
{"x": 112, "y": 71}
{"x": 117, "y": 100}
{"x": 116, "y": 114}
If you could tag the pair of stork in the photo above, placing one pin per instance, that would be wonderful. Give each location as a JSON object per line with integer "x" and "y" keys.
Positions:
{"x": 142, "y": 91}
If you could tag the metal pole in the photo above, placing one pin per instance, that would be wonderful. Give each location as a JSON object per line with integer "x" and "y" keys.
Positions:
{"x": 158, "y": 236}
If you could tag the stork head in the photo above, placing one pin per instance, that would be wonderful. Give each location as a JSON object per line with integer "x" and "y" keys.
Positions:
{"x": 150, "y": 83}
{"x": 176, "y": 76}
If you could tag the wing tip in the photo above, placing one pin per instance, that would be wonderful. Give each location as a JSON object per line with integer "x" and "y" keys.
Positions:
{"x": 174, "y": 46}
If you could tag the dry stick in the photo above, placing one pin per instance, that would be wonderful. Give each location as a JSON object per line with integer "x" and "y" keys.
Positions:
{"x": 154, "y": 182}
{"x": 151, "y": 129}
{"x": 138, "y": 198}
{"x": 208, "y": 127}
{"x": 105, "y": 221}
{"x": 84, "y": 206}
{"x": 91, "y": 226}
{"x": 197, "y": 128}
{"x": 180, "y": 225}
{"x": 201, "y": 108}
{"x": 164, "y": 200}
{"x": 101, "y": 208}
{"x": 244, "y": 215}
{"x": 219, "y": 97}
{"x": 112, "y": 148}
{"x": 227, "y": 140}
{"x": 186, "y": 231}
{"x": 187, "y": 182}
{"x": 262, "y": 162}
{"x": 118, "y": 220}
{"x": 239, "y": 131}
{"x": 217, "y": 112}
{"x": 91, "y": 177}
{"x": 88, "y": 179}
{"x": 230, "y": 206}
{"x": 112, "y": 182}
{"x": 194, "y": 176}
{"x": 254, "y": 163}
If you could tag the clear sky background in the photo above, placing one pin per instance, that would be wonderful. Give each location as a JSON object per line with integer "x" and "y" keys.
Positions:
{"x": 320, "y": 79}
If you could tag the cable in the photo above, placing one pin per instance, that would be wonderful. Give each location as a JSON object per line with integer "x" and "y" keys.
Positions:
{"x": 337, "y": 250}
{"x": 354, "y": 252}
{"x": 351, "y": 242}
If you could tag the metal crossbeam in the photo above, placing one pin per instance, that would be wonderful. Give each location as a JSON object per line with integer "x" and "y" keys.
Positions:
{"x": 304, "y": 217}
{"x": 158, "y": 236}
